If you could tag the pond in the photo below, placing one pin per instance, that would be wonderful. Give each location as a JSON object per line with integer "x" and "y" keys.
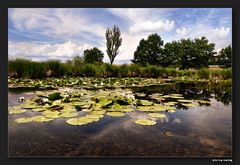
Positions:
{"x": 202, "y": 128}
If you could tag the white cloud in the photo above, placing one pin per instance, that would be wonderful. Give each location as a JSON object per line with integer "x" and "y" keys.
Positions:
{"x": 54, "y": 22}
{"x": 181, "y": 31}
{"x": 45, "y": 51}
{"x": 150, "y": 26}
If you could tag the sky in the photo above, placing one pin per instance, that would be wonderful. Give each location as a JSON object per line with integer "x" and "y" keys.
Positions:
{"x": 41, "y": 34}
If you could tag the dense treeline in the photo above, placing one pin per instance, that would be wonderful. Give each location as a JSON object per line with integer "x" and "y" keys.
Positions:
{"x": 36, "y": 70}
{"x": 184, "y": 54}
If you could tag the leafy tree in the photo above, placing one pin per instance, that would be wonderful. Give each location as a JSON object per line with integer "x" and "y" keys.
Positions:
{"x": 171, "y": 54}
{"x": 77, "y": 60}
{"x": 113, "y": 43}
{"x": 188, "y": 53}
{"x": 149, "y": 51}
{"x": 225, "y": 56}
{"x": 93, "y": 55}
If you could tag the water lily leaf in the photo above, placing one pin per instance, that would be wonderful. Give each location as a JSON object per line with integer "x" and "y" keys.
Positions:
{"x": 16, "y": 111}
{"x": 157, "y": 115}
{"x": 40, "y": 119}
{"x": 145, "y": 122}
{"x": 38, "y": 109}
{"x": 144, "y": 103}
{"x": 203, "y": 101}
{"x": 23, "y": 120}
{"x": 51, "y": 114}
{"x": 175, "y": 94}
{"x": 104, "y": 102}
{"x": 171, "y": 103}
{"x": 176, "y": 97}
{"x": 28, "y": 106}
{"x": 100, "y": 112}
{"x": 115, "y": 114}
{"x": 55, "y": 96}
{"x": 190, "y": 105}
{"x": 55, "y": 107}
{"x": 72, "y": 121}
{"x": 68, "y": 114}
{"x": 185, "y": 101}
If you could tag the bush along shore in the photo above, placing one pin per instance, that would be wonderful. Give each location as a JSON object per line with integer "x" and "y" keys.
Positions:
{"x": 54, "y": 73}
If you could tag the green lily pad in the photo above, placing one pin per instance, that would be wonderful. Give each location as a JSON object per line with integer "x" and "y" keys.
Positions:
{"x": 51, "y": 114}
{"x": 23, "y": 120}
{"x": 68, "y": 114}
{"x": 144, "y": 103}
{"x": 100, "y": 112}
{"x": 115, "y": 114}
{"x": 145, "y": 122}
{"x": 190, "y": 105}
{"x": 157, "y": 115}
{"x": 170, "y": 103}
{"x": 104, "y": 102}
{"x": 203, "y": 101}
{"x": 28, "y": 106}
{"x": 40, "y": 119}
{"x": 185, "y": 101}
{"x": 16, "y": 111}
{"x": 55, "y": 96}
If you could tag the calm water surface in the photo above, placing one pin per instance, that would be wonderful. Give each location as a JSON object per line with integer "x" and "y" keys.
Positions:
{"x": 197, "y": 131}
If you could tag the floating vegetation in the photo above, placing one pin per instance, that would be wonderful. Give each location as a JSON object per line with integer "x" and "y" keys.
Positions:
{"x": 171, "y": 103}
{"x": 16, "y": 111}
{"x": 83, "y": 120}
{"x": 190, "y": 105}
{"x": 144, "y": 103}
{"x": 145, "y": 122}
{"x": 23, "y": 120}
{"x": 94, "y": 104}
{"x": 115, "y": 114}
{"x": 185, "y": 101}
{"x": 157, "y": 115}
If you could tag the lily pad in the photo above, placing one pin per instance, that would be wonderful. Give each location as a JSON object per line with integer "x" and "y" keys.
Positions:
{"x": 51, "y": 114}
{"x": 40, "y": 119}
{"x": 145, "y": 122}
{"x": 104, "y": 102}
{"x": 144, "y": 103}
{"x": 170, "y": 103}
{"x": 115, "y": 114}
{"x": 16, "y": 111}
{"x": 190, "y": 105}
{"x": 185, "y": 101}
{"x": 157, "y": 115}
{"x": 68, "y": 114}
{"x": 55, "y": 96}
{"x": 23, "y": 120}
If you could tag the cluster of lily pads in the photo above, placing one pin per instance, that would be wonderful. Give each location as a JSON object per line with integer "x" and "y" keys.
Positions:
{"x": 67, "y": 102}
{"x": 91, "y": 82}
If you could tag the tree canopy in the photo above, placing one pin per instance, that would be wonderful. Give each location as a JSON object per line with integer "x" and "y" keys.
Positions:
{"x": 149, "y": 51}
{"x": 113, "y": 43}
{"x": 93, "y": 55}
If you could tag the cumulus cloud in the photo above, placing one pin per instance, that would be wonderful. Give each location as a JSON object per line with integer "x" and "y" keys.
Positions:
{"x": 150, "y": 26}
{"x": 38, "y": 51}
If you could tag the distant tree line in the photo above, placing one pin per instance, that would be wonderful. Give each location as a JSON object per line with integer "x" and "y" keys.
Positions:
{"x": 183, "y": 54}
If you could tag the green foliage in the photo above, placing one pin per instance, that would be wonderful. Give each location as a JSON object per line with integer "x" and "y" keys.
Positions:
{"x": 203, "y": 73}
{"x": 93, "y": 55}
{"x": 225, "y": 56}
{"x": 54, "y": 96}
{"x": 149, "y": 51}
{"x": 113, "y": 43}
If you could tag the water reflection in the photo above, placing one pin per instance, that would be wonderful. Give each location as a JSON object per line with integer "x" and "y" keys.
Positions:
{"x": 200, "y": 131}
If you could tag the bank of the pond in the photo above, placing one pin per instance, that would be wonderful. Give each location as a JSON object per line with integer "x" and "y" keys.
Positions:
{"x": 38, "y": 70}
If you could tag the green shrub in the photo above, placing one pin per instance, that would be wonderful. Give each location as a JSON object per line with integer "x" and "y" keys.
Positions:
{"x": 203, "y": 73}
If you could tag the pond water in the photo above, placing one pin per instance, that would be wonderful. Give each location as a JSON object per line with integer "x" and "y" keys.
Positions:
{"x": 202, "y": 131}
